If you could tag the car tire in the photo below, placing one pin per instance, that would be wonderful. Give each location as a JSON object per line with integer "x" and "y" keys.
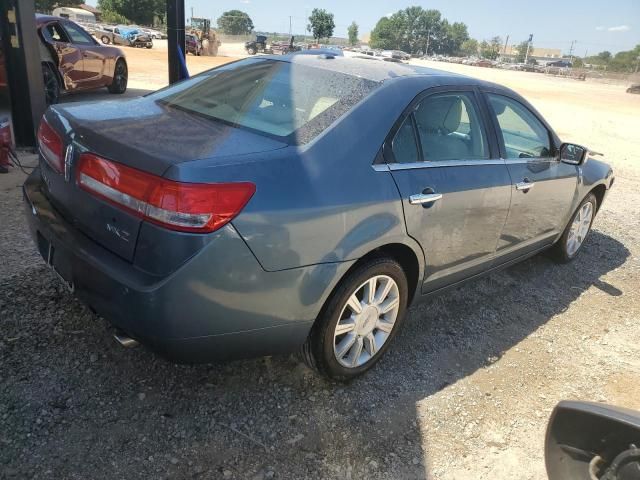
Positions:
{"x": 570, "y": 243}
{"x": 105, "y": 39}
{"x": 51, "y": 84}
{"x": 251, "y": 51}
{"x": 369, "y": 332}
{"x": 120, "y": 78}
{"x": 149, "y": 45}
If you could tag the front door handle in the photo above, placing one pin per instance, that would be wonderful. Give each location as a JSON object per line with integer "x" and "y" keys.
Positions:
{"x": 524, "y": 185}
{"x": 420, "y": 198}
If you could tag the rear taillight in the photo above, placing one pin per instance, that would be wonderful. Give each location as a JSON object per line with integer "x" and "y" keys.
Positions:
{"x": 51, "y": 147}
{"x": 186, "y": 207}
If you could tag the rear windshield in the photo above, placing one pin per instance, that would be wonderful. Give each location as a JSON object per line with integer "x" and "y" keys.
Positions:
{"x": 289, "y": 101}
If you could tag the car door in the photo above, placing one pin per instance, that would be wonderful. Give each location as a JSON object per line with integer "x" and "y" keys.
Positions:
{"x": 543, "y": 186}
{"x": 455, "y": 190}
{"x": 68, "y": 55}
{"x": 93, "y": 60}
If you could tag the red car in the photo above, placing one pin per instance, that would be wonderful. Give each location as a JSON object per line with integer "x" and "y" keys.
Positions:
{"x": 72, "y": 60}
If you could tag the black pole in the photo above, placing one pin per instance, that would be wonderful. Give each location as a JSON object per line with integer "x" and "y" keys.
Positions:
{"x": 175, "y": 37}
{"x": 22, "y": 56}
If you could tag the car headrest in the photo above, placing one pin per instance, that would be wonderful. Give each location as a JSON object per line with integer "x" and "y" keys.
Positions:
{"x": 441, "y": 114}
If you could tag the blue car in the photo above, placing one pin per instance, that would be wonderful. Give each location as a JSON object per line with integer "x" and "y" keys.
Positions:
{"x": 299, "y": 203}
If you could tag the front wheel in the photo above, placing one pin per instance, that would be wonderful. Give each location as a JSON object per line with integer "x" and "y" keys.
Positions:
{"x": 359, "y": 320}
{"x": 251, "y": 51}
{"x": 105, "y": 39}
{"x": 51, "y": 84}
{"x": 571, "y": 241}
{"x": 120, "y": 78}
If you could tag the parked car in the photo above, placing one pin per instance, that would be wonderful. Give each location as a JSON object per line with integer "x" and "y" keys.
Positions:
{"x": 154, "y": 34}
{"x": 634, "y": 88}
{"x": 316, "y": 199}
{"x": 193, "y": 44}
{"x": 124, "y": 35}
{"x": 72, "y": 60}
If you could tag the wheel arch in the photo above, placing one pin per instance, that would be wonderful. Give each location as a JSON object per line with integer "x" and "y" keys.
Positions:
{"x": 56, "y": 72}
{"x": 599, "y": 191}
{"x": 407, "y": 256}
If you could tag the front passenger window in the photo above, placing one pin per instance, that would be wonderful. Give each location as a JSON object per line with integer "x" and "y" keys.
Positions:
{"x": 523, "y": 134}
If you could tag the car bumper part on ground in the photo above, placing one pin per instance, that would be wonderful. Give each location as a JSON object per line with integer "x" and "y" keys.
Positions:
{"x": 220, "y": 304}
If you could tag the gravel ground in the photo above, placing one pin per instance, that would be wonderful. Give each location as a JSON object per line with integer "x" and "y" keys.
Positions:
{"x": 465, "y": 392}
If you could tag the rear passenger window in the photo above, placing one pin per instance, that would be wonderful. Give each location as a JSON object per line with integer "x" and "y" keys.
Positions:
{"x": 405, "y": 149}
{"x": 523, "y": 134}
{"x": 449, "y": 128}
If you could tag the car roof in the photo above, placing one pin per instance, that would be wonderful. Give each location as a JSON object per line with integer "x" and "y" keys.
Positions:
{"x": 40, "y": 18}
{"x": 374, "y": 70}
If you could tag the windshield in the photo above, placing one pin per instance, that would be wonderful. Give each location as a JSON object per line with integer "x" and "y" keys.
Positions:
{"x": 289, "y": 101}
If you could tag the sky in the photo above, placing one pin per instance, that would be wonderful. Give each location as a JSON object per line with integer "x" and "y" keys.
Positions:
{"x": 595, "y": 25}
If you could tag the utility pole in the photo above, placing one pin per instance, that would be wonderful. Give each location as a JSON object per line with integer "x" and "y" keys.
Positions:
{"x": 290, "y": 25}
{"x": 426, "y": 52}
{"x": 526, "y": 55}
{"x": 191, "y": 15}
{"x": 506, "y": 43}
{"x": 573, "y": 42}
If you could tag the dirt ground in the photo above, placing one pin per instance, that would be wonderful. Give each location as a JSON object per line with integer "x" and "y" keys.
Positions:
{"x": 464, "y": 393}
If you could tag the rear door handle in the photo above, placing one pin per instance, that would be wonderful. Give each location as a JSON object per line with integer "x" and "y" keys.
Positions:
{"x": 524, "y": 185}
{"x": 420, "y": 198}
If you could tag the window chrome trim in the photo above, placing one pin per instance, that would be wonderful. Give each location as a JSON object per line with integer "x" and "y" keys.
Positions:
{"x": 444, "y": 163}
{"x": 380, "y": 167}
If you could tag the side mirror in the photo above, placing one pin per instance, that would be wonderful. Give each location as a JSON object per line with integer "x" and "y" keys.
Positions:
{"x": 592, "y": 441}
{"x": 572, "y": 153}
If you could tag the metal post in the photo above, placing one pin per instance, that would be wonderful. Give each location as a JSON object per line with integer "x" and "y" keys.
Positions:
{"x": 24, "y": 68}
{"x": 526, "y": 56}
{"x": 175, "y": 37}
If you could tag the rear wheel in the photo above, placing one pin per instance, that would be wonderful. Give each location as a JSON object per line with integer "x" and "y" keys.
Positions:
{"x": 571, "y": 241}
{"x": 359, "y": 320}
{"x": 120, "y": 78}
{"x": 51, "y": 84}
{"x": 251, "y": 51}
{"x": 105, "y": 39}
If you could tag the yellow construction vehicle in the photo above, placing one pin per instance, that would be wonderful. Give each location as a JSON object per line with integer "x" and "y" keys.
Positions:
{"x": 201, "y": 29}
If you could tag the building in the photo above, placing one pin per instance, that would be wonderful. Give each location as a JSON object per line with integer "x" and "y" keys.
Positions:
{"x": 75, "y": 14}
{"x": 540, "y": 55}
{"x": 96, "y": 11}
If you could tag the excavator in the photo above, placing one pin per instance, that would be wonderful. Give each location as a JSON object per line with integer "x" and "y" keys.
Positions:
{"x": 201, "y": 29}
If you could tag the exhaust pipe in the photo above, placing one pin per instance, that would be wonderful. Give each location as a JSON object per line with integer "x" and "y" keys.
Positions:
{"x": 125, "y": 340}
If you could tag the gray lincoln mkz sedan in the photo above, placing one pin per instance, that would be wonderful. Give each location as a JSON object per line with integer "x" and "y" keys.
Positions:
{"x": 299, "y": 203}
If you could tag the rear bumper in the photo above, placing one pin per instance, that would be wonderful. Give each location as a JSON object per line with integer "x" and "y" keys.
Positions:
{"x": 220, "y": 304}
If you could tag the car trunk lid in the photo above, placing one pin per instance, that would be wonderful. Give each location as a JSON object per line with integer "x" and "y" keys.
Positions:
{"x": 137, "y": 134}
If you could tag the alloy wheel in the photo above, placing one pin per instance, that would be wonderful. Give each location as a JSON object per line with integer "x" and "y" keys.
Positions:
{"x": 120, "y": 77}
{"x": 366, "y": 321}
{"x": 579, "y": 228}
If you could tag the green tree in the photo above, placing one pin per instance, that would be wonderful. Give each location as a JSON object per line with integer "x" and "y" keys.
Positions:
{"x": 605, "y": 56}
{"x": 469, "y": 47}
{"x": 107, "y": 16}
{"x": 235, "y": 22}
{"x": 353, "y": 33}
{"x": 491, "y": 49}
{"x": 142, "y": 12}
{"x": 47, "y": 6}
{"x": 416, "y": 30}
{"x": 321, "y": 24}
{"x": 521, "y": 51}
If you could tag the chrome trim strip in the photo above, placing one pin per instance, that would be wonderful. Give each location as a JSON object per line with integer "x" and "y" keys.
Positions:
{"x": 444, "y": 163}
{"x": 68, "y": 159}
{"x": 380, "y": 167}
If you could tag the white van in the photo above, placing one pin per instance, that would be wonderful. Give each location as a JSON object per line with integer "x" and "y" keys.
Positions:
{"x": 75, "y": 14}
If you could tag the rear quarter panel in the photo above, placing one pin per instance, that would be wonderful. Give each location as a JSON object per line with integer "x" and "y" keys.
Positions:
{"x": 322, "y": 202}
